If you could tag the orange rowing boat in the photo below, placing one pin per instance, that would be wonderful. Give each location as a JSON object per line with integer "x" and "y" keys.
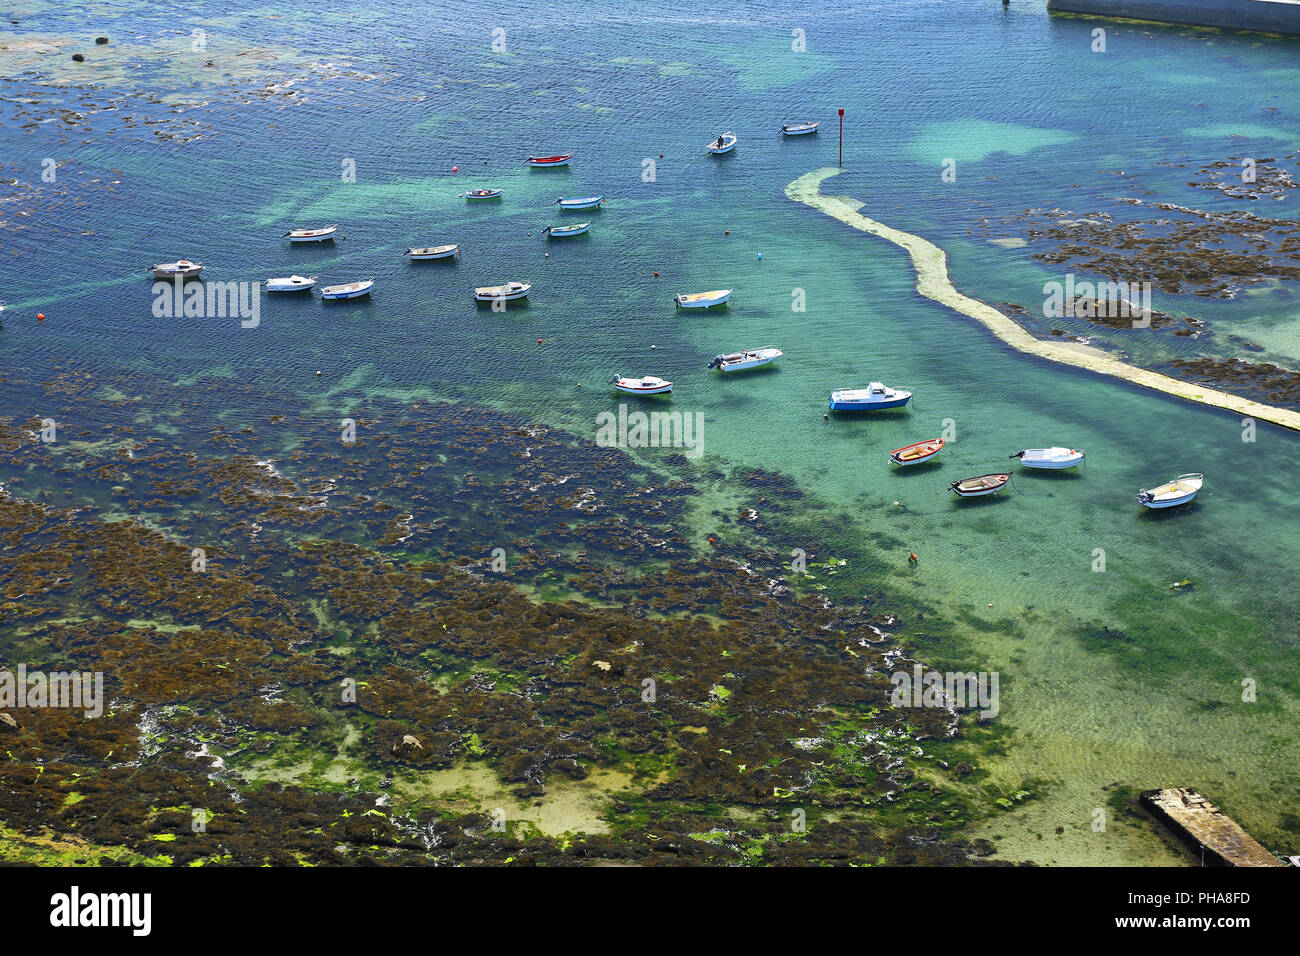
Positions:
{"x": 915, "y": 454}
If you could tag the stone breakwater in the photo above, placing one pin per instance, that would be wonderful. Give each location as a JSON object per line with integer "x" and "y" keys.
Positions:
{"x": 933, "y": 282}
{"x": 1269, "y": 16}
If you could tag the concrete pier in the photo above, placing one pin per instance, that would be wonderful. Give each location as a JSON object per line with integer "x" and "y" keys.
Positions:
{"x": 1201, "y": 824}
{"x": 1266, "y": 16}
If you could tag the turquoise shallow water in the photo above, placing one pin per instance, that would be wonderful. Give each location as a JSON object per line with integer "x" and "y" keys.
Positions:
{"x": 1033, "y": 119}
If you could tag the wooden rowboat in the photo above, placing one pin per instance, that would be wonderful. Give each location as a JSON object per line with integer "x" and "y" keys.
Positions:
{"x": 550, "y": 160}
{"x": 352, "y": 290}
{"x": 702, "y": 300}
{"x": 980, "y": 485}
{"x": 800, "y": 129}
{"x": 563, "y": 232}
{"x": 581, "y": 202}
{"x": 477, "y": 195}
{"x": 917, "y": 453}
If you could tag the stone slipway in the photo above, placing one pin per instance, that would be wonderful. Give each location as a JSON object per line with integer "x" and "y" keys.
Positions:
{"x": 932, "y": 281}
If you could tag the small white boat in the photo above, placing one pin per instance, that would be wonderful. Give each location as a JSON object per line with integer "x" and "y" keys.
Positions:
{"x": 800, "y": 129}
{"x": 1177, "y": 492}
{"x": 917, "y": 453}
{"x": 563, "y": 232}
{"x": 181, "y": 267}
{"x": 874, "y": 396}
{"x": 702, "y": 300}
{"x": 649, "y": 385}
{"x": 432, "y": 252}
{"x": 351, "y": 290}
{"x": 294, "y": 283}
{"x": 980, "y": 485}
{"x": 723, "y": 144}
{"x": 477, "y": 195}
{"x": 750, "y": 358}
{"x": 508, "y": 292}
{"x": 1049, "y": 457}
{"x": 583, "y": 202}
{"x": 561, "y": 160}
{"x": 323, "y": 234}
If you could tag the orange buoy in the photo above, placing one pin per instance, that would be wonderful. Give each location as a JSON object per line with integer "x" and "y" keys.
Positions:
{"x": 912, "y": 557}
{"x": 539, "y": 341}
{"x": 656, "y": 275}
{"x": 726, "y": 232}
{"x": 40, "y": 316}
{"x": 455, "y": 169}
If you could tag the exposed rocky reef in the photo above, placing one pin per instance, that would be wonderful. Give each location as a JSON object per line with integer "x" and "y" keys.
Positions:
{"x": 353, "y": 654}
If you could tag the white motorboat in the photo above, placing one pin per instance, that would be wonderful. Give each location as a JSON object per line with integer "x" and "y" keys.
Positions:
{"x": 350, "y": 290}
{"x": 647, "y": 385}
{"x": 433, "y": 252}
{"x": 702, "y": 300}
{"x": 323, "y": 234}
{"x": 582, "y": 202}
{"x": 294, "y": 283}
{"x": 740, "y": 361}
{"x": 1177, "y": 492}
{"x": 1049, "y": 457}
{"x": 874, "y": 396}
{"x": 181, "y": 267}
{"x": 723, "y": 144}
{"x": 506, "y": 293}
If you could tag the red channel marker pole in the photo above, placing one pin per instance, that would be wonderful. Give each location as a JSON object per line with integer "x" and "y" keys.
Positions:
{"x": 841, "y": 137}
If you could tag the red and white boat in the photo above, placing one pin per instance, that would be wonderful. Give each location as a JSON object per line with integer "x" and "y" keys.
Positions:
{"x": 550, "y": 160}
{"x": 980, "y": 485}
{"x": 917, "y": 453}
{"x": 649, "y": 385}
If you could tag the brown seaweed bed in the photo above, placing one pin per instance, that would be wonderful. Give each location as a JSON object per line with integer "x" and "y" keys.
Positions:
{"x": 372, "y": 563}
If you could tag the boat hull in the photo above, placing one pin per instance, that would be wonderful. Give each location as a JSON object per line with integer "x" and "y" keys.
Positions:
{"x": 575, "y": 204}
{"x": 861, "y": 405}
{"x": 709, "y": 301}
{"x": 470, "y": 197}
{"x": 334, "y": 293}
{"x": 800, "y": 131}
{"x": 744, "y": 361}
{"x": 183, "y": 274}
{"x": 729, "y": 141}
{"x": 416, "y": 256}
{"x": 630, "y": 390}
{"x": 546, "y": 162}
{"x": 281, "y": 285}
{"x": 312, "y": 235}
{"x": 566, "y": 232}
{"x": 1068, "y": 459}
{"x": 978, "y": 491}
{"x": 1171, "y": 503}
{"x": 916, "y": 454}
{"x": 501, "y": 294}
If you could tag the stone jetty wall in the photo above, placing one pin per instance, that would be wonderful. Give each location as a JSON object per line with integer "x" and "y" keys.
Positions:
{"x": 1272, "y": 16}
